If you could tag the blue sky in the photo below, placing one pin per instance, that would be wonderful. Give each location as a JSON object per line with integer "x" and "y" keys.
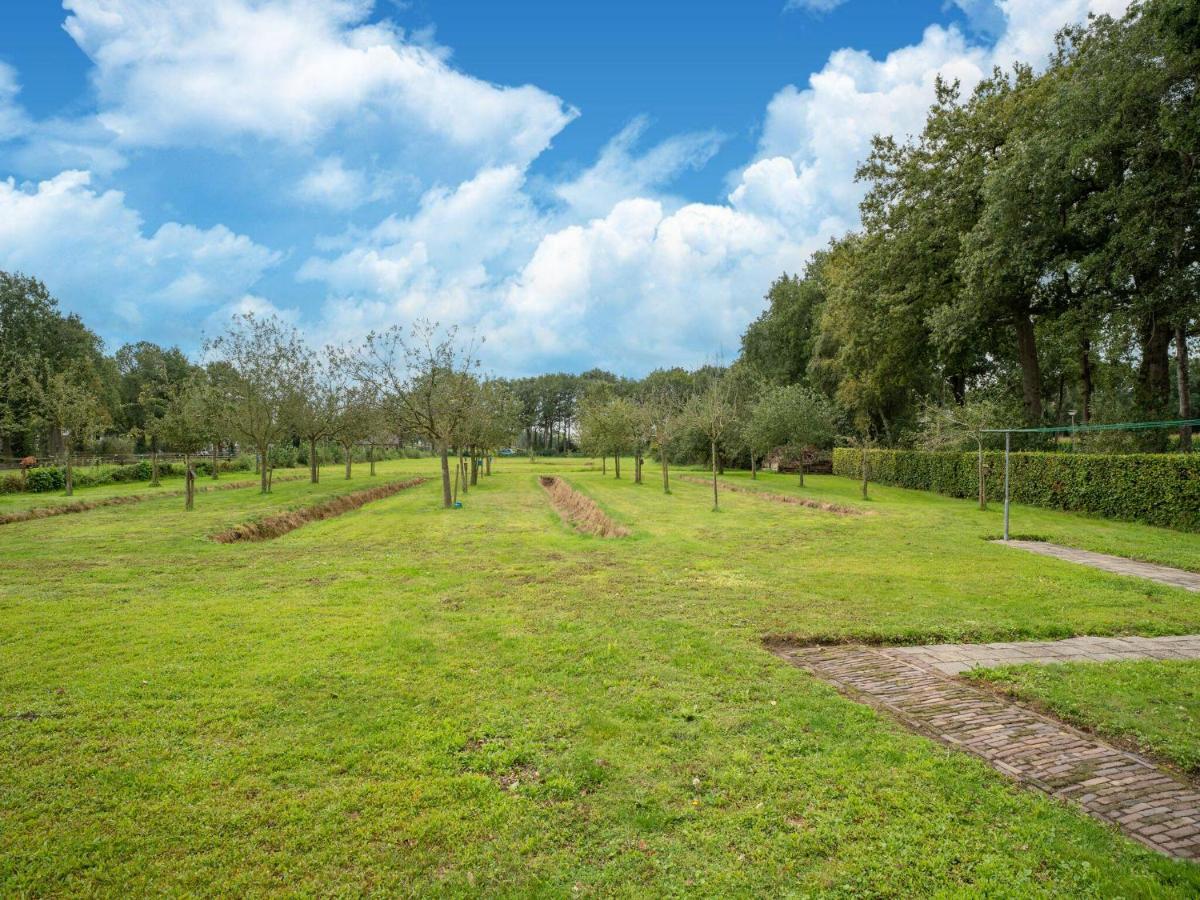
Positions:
{"x": 586, "y": 184}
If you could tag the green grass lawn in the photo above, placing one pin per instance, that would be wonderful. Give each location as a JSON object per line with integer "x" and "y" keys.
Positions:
{"x": 1150, "y": 705}
{"x": 406, "y": 700}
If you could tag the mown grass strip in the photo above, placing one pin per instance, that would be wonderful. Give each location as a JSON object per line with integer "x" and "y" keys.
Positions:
{"x": 580, "y": 511}
{"x": 79, "y": 506}
{"x": 778, "y": 498}
{"x": 278, "y": 525}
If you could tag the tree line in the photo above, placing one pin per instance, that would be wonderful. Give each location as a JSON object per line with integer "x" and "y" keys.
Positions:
{"x": 1035, "y": 247}
{"x": 258, "y": 387}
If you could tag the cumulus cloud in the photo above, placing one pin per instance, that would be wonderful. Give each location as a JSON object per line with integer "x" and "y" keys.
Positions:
{"x": 601, "y": 267}
{"x": 205, "y": 71}
{"x": 92, "y": 251}
{"x": 622, "y": 277}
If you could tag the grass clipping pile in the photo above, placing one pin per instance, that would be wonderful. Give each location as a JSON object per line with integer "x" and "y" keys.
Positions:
{"x": 278, "y": 525}
{"x": 580, "y": 511}
{"x": 78, "y": 506}
{"x": 779, "y": 498}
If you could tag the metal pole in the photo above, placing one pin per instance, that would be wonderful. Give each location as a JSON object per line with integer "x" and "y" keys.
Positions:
{"x": 1007, "y": 446}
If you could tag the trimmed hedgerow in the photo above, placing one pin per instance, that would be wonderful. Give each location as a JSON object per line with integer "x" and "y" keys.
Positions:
{"x": 1158, "y": 489}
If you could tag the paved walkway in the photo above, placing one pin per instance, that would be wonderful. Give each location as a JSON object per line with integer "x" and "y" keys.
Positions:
{"x": 954, "y": 658}
{"x": 1148, "y": 803}
{"x": 1189, "y": 581}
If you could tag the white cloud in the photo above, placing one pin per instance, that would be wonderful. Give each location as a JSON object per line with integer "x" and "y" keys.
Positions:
{"x": 13, "y": 121}
{"x": 332, "y": 185}
{"x": 92, "y": 252}
{"x": 206, "y": 71}
{"x": 623, "y": 278}
{"x": 620, "y": 173}
{"x": 813, "y": 6}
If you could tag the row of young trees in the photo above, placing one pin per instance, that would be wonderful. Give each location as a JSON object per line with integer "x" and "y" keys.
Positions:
{"x": 729, "y": 414}
{"x": 1036, "y": 243}
{"x": 261, "y": 386}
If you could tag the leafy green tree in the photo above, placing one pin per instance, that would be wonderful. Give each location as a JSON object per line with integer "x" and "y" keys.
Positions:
{"x": 426, "y": 382}
{"x": 794, "y": 418}
{"x": 71, "y": 407}
{"x": 714, "y": 414}
{"x": 265, "y": 364}
{"x": 186, "y": 426}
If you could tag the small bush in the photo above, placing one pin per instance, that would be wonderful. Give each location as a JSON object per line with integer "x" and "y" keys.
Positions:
{"x": 46, "y": 478}
{"x": 1155, "y": 488}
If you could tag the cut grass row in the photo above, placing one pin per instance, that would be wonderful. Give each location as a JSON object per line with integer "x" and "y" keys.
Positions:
{"x": 283, "y": 523}
{"x": 406, "y": 700}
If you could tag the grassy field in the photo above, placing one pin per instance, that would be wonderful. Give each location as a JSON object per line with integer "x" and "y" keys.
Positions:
{"x": 1152, "y": 706}
{"x": 406, "y": 700}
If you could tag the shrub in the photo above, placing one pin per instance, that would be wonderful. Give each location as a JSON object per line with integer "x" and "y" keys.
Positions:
{"x": 11, "y": 484}
{"x": 1158, "y": 489}
{"x": 46, "y": 478}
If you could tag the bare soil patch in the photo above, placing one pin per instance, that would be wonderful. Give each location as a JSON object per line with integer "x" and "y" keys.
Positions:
{"x": 778, "y": 498}
{"x": 278, "y": 525}
{"x": 580, "y": 511}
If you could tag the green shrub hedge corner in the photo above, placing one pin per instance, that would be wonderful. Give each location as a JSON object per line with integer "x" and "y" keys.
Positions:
{"x": 1158, "y": 489}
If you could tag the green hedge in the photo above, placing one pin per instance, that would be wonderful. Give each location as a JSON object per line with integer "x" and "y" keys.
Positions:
{"x": 53, "y": 478}
{"x": 1159, "y": 489}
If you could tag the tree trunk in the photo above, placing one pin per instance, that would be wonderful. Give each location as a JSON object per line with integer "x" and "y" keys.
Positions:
{"x": 349, "y": 448}
{"x": 314, "y": 472}
{"x": 637, "y": 467}
{"x": 604, "y": 464}
{"x": 216, "y": 462}
{"x": 487, "y": 465}
{"x": 865, "y": 472}
{"x": 70, "y": 481}
{"x": 154, "y": 482}
{"x": 474, "y": 466}
{"x": 444, "y": 455}
{"x": 371, "y": 457}
{"x": 753, "y": 467}
{"x": 1154, "y": 379}
{"x": 189, "y": 483}
{"x": 801, "y": 468}
{"x": 265, "y": 484}
{"x": 666, "y": 472}
{"x": 1185, "y": 389}
{"x": 716, "y": 502}
{"x": 617, "y": 465}
{"x": 462, "y": 470}
{"x": 1031, "y": 376}
{"x": 1085, "y": 379}
{"x": 1153, "y": 391}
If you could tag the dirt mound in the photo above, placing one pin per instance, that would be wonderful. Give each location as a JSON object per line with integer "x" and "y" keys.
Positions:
{"x": 580, "y": 511}
{"x": 281, "y": 524}
{"x": 779, "y": 498}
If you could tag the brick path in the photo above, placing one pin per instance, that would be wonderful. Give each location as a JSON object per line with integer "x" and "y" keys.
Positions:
{"x": 954, "y": 658}
{"x": 1149, "y": 804}
{"x": 1189, "y": 581}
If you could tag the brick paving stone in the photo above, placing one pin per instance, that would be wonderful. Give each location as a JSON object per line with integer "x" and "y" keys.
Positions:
{"x": 1181, "y": 578}
{"x": 953, "y": 659}
{"x": 1148, "y": 803}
